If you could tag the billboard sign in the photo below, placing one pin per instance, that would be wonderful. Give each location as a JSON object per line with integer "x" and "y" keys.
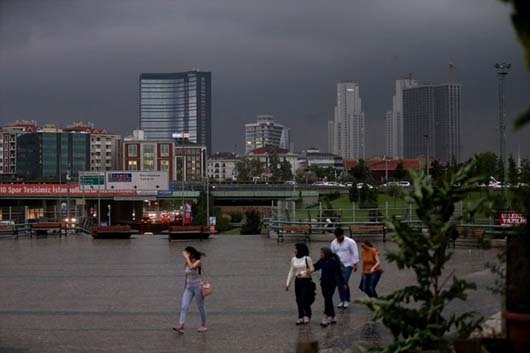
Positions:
{"x": 139, "y": 181}
{"x": 92, "y": 180}
{"x": 511, "y": 219}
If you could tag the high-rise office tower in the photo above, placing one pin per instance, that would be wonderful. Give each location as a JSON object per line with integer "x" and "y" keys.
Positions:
{"x": 266, "y": 132}
{"x": 394, "y": 120}
{"x": 432, "y": 121}
{"x": 348, "y": 124}
{"x": 177, "y": 103}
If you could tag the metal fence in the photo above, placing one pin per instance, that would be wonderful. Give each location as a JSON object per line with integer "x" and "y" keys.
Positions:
{"x": 321, "y": 218}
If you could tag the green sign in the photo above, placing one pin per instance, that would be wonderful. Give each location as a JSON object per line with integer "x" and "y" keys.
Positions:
{"x": 92, "y": 180}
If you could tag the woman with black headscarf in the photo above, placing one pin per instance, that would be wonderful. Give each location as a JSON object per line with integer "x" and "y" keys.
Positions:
{"x": 304, "y": 288}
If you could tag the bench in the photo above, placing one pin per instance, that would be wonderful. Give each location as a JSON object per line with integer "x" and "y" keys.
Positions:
{"x": 111, "y": 232}
{"x": 469, "y": 236}
{"x": 8, "y": 229}
{"x": 368, "y": 229}
{"x": 188, "y": 232}
{"x": 43, "y": 228}
{"x": 292, "y": 229}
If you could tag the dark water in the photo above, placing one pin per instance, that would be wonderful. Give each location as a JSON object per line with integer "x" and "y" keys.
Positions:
{"x": 77, "y": 294}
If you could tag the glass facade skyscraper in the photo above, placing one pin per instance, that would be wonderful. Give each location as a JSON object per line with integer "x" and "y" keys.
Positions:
{"x": 432, "y": 121}
{"x": 177, "y": 103}
{"x": 49, "y": 155}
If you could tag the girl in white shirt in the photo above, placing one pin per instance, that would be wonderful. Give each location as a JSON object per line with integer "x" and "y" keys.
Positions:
{"x": 304, "y": 288}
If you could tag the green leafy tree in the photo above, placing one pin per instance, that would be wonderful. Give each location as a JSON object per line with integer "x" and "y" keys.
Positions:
{"x": 486, "y": 165}
{"x": 247, "y": 169}
{"x": 525, "y": 171}
{"x": 437, "y": 170}
{"x": 400, "y": 173}
{"x": 252, "y": 224}
{"x": 513, "y": 171}
{"x": 417, "y": 314}
{"x": 286, "y": 171}
{"x": 361, "y": 172}
{"x": 354, "y": 194}
{"x": 274, "y": 168}
{"x": 394, "y": 191}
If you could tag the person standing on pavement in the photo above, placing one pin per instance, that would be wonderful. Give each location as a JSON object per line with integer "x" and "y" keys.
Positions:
{"x": 331, "y": 276}
{"x": 192, "y": 288}
{"x": 348, "y": 252}
{"x": 372, "y": 269}
{"x": 301, "y": 268}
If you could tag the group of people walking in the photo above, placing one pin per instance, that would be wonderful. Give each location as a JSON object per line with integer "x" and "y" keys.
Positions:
{"x": 336, "y": 264}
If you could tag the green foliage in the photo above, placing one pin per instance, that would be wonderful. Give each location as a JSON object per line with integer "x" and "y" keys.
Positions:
{"x": 416, "y": 315}
{"x": 247, "y": 169}
{"x": 252, "y": 223}
{"x": 513, "y": 171}
{"x": 236, "y": 217}
{"x": 400, "y": 173}
{"x": 525, "y": 171}
{"x": 361, "y": 172}
{"x": 486, "y": 165}
{"x": 222, "y": 220}
{"x": 198, "y": 210}
{"x": 363, "y": 197}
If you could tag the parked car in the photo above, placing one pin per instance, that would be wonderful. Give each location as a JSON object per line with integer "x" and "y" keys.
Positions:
{"x": 360, "y": 186}
{"x": 404, "y": 184}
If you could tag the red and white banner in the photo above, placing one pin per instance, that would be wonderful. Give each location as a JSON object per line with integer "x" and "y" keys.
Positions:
{"x": 58, "y": 189}
{"x": 511, "y": 218}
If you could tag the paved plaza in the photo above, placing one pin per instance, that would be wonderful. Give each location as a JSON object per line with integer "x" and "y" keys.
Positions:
{"x": 78, "y": 294}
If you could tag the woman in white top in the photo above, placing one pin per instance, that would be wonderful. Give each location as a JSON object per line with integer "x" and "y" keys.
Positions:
{"x": 304, "y": 288}
{"x": 192, "y": 289}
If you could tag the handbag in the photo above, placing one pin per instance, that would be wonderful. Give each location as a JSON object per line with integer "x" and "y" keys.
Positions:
{"x": 206, "y": 288}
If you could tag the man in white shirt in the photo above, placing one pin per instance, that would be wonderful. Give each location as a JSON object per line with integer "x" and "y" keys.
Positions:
{"x": 348, "y": 252}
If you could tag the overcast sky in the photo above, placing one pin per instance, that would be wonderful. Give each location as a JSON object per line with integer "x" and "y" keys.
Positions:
{"x": 79, "y": 60}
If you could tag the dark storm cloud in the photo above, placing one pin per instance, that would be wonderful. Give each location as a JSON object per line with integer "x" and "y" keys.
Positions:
{"x": 64, "y": 61}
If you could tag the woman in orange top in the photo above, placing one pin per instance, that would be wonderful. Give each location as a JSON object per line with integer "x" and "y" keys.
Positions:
{"x": 371, "y": 268}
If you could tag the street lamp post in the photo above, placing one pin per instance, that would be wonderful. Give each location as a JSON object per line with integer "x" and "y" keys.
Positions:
{"x": 427, "y": 146}
{"x": 502, "y": 71}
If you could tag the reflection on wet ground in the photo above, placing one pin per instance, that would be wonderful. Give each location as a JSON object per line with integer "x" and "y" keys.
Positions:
{"x": 77, "y": 294}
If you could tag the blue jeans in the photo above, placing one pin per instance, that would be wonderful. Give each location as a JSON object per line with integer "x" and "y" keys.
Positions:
{"x": 192, "y": 290}
{"x": 344, "y": 293}
{"x": 370, "y": 281}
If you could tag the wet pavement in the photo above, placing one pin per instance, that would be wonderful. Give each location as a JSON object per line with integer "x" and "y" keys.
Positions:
{"x": 77, "y": 294}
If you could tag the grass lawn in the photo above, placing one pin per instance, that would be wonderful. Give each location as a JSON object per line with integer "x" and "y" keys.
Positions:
{"x": 388, "y": 206}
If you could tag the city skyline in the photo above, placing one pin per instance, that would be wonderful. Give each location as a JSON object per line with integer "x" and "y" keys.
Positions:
{"x": 54, "y": 70}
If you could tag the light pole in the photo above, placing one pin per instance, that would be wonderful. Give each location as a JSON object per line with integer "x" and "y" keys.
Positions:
{"x": 68, "y": 177}
{"x": 386, "y": 170}
{"x": 502, "y": 71}
{"x": 108, "y": 206}
{"x": 182, "y": 136}
{"x": 427, "y": 154}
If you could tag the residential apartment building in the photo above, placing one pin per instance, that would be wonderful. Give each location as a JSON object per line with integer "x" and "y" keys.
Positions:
{"x": 52, "y": 156}
{"x": 394, "y": 119}
{"x": 105, "y": 149}
{"x": 313, "y": 157}
{"x": 264, "y": 154}
{"x": 432, "y": 121}
{"x": 177, "y": 103}
{"x": 183, "y": 160}
{"x": 8, "y": 146}
{"x": 348, "y": 126}
{"x": 222, "y": 166}
{"x": 266, "y": 132}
